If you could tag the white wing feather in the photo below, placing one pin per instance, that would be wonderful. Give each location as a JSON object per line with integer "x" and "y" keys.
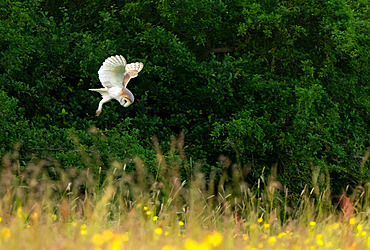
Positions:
{"x": 135, "y": 66}
{"x": 132, "y": 70}
{"x": 112, "y": 71}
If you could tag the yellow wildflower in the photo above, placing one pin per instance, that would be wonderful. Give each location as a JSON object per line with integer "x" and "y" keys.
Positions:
{"x": 312, "y": 223}
{"x": 107, "y": 235}
{"x": 148, "y": 212}
{"x": 155, "y": 218}
{"x": 158, "y": 230}
{"x": 97, "y": 239}
{"x": 145, "y": 208}
{"x": 181, "y": 223}
{"x": 193, "y": 245}
{"x": 116, "y": 245}
{"x": 359, "y": 227}
{"x": 260, "y": 220}
{"x": 368, "y": 242}
{"x": 245, "y": 236}
{"x": 281, "y": 234}
{"x": 83, "y": 229}
{"x": 272, "y": 240}
{"x": 319, "y": 240}
{"x": 266, "y": 225}
{"x": 5, "y": 233}
{"x": 335, "y": 225}
{"x": 352, "y": 221}
{"x": 214, "y": 239}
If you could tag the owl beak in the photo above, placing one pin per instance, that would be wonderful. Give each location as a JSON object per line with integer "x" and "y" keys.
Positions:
{"x": 125, "y": 102}
{"x": 128, "y": 103}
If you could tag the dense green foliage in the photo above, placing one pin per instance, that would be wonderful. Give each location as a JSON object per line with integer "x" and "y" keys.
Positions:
{"x": 267, "y": 83}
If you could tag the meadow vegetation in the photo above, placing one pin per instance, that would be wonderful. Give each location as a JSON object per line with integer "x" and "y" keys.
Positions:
{"x": 77, "y": 209}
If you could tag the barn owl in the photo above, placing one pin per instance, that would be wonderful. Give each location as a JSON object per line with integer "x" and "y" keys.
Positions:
{"x": 114, "y": 75}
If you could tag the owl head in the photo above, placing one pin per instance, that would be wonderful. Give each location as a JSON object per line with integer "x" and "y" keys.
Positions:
{"x": 126, "y": 97}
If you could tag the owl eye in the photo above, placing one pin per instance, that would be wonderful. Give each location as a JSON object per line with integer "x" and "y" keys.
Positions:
{"x": 128, "y": 103}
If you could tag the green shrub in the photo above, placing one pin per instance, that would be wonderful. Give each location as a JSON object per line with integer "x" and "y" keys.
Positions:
{"x": 12, "y": 125}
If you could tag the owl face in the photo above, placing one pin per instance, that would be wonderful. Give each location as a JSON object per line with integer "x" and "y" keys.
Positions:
{"x": 127, "y": 98}
{"x": 125, "y": 102}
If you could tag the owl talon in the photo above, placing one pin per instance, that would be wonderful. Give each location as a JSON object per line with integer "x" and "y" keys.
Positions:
{"x": 98, "y": 112}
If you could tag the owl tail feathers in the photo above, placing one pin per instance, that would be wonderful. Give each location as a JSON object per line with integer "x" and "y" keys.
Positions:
{"x": 102, "y": 91}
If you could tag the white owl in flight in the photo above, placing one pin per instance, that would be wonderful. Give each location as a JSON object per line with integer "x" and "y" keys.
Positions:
{"x": 114, "y": 75}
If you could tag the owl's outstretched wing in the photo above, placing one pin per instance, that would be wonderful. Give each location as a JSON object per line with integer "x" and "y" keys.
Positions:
{"x": 112, "y": 72}
{"x": 132, "y": 70}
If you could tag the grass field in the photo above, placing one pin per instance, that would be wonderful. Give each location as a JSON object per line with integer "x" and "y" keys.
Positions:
{"x": 45, "y": 207}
